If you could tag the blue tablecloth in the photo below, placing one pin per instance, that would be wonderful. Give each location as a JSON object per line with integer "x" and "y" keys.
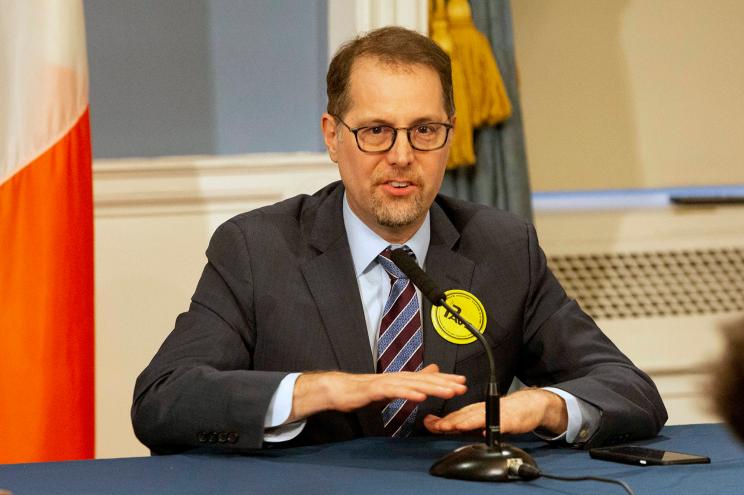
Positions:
{"x": 383, "y": 466}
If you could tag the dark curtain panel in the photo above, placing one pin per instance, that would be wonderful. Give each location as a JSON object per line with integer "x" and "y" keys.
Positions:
{"x": 500, "y": 176}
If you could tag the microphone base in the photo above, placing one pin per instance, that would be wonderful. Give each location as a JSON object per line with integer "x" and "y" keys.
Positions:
{"x": 480, "y": 462}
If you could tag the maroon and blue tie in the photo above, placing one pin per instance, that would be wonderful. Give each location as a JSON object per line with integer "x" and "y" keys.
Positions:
{"x": 400, "y": 343}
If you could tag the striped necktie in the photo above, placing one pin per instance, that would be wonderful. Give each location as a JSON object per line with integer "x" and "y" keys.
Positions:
{"x": 400, "y": 343}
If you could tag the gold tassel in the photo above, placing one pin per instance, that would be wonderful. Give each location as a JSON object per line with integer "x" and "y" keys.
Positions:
{"x": 461, "y": 150}
{"x": 489, "y": 103}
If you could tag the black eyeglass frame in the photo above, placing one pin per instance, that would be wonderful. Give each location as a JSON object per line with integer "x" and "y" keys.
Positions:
{"x": 408, "y": 130}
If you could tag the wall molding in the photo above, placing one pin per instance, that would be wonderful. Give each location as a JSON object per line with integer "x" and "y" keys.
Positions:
{"x": 194, "y": 184}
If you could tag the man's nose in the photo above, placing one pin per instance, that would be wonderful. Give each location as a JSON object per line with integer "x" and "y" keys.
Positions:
{"x": 401, "y": 153}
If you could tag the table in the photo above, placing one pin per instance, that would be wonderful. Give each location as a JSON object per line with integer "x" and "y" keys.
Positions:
{"x": 384, "y": 466}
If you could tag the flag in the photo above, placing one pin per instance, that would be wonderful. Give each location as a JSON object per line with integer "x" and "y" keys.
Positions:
{"x": 46, "y": 234}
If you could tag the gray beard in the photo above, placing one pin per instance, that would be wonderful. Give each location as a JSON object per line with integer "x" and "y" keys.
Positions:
{"x": 398, "y": 214}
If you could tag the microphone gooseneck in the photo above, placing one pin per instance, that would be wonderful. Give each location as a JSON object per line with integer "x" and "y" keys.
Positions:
{"x": 433, "y": 293}
{"x": 494, "y": 460}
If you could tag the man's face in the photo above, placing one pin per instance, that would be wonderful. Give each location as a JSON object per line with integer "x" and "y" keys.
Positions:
{"x": 389, "y": 191}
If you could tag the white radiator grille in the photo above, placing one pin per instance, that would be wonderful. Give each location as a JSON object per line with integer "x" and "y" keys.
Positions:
{"x": 654, "y": 283}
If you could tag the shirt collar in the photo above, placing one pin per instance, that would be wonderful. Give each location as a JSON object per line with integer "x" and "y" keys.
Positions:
{"x": 366, "y": 245}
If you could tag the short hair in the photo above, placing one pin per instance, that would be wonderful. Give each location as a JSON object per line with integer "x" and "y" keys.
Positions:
{"x": 391, "y": 45}
{"x": 728, "y": 379}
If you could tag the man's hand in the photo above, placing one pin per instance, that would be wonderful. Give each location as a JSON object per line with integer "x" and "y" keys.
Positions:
{"x": 334, "y": 390}
{"x": 521, "y": 412}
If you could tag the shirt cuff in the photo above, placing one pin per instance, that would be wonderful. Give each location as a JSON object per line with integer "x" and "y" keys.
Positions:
{"x": 583, "y": 419}
{"x": 278, "y": 412}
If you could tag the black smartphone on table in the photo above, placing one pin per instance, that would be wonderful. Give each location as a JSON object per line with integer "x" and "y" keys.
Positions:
{"x": 644, "y": 456}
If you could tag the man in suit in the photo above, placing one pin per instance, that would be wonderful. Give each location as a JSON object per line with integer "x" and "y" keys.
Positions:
{"x": 289, "y": 331}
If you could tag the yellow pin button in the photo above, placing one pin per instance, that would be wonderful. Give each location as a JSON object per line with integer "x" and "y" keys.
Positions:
{"x": 469, "y": 307}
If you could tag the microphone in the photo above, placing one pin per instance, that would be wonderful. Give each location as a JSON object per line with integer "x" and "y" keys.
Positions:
{"x": 492, "y": 460}
{"x": 433, "y": 293}
{"x": 417, "y": 276}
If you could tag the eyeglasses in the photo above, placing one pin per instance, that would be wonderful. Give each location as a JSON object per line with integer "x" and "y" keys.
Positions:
{"x": 428, "y": 136}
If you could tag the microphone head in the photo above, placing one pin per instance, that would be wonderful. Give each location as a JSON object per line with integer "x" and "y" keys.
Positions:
{"x": 417, "y": 276}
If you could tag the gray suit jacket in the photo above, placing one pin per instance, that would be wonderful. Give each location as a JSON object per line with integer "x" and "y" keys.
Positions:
{"x": 279, "y": 295}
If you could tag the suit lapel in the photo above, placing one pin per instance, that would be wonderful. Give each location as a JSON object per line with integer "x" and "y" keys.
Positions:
{"x": 332, "y": 283}
{"x": 330, "y": 277}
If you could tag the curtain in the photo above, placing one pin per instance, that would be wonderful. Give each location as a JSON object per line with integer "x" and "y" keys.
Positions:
{"x": 499, "y": 177}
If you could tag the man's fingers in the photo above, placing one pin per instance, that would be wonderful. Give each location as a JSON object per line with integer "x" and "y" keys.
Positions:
{"x": 521, "y": 412}
{"x": 347, "y": 392}
{"x": 432, "y": 368}
{"x": 428, "y": 381}
{"x": 409, "y": 385}
{"x": 468, "y": 418}
{"x": 430, "y": 422}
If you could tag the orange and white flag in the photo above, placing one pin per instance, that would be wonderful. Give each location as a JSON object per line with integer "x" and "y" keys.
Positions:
{"x": 46, "y": 234}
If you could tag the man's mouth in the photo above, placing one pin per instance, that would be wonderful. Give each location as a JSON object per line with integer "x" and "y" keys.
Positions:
{"x": 399, "y": 187}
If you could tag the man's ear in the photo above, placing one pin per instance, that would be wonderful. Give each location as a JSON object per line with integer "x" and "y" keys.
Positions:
{"x": 329, "y": 128}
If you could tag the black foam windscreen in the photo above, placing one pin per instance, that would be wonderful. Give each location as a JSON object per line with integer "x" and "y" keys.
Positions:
{"x": 415, "y": 274}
